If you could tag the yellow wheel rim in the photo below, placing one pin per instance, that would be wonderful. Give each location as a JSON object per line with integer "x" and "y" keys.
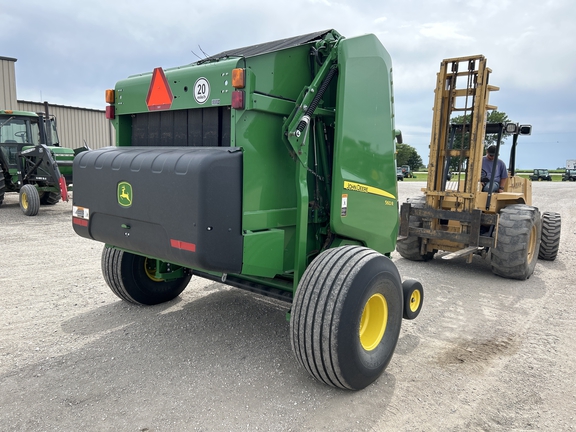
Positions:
{"x": 373, "y": 322}
{"x": 415, "y": 299}
{"x": 150, "y": 269}
{"x": 25, "y": 201}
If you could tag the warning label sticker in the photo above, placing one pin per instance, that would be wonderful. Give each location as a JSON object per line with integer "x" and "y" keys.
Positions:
{"x": 344, "y": 209}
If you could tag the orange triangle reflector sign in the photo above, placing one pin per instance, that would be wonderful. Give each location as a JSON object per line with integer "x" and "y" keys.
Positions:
{"x": 159, "y": 94}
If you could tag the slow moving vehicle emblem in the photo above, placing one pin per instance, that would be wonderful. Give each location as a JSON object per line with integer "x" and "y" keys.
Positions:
{"x": 124, "y": 194}
{"x": 160, "y": 95}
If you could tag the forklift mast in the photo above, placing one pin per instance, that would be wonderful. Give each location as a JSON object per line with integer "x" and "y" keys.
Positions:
{"x": 461, "y": 87}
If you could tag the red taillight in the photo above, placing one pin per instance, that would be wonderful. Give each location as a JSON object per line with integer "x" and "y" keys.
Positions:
{"x": 110, "y": 112}
{"x": 238, "y": 99}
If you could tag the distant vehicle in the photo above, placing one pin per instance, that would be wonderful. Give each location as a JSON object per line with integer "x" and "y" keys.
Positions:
{"x": 540, "y": 175}
{"x": 407, "y": 171}
{"x": 569, "y": 175}
{"x": 399, "y": 174}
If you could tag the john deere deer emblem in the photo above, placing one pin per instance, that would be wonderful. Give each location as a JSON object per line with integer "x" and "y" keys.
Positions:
{"x": 125, "y": 194}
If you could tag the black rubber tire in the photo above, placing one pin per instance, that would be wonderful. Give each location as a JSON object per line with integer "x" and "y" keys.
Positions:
{"x": 409, "y": 247}
{"x": 550, "y": 239}
{"x": 413, "y": 298}
{"x": 2, "y": 186}
{"x": 346, "y": 316}
{"x": 29, "y": 200}
{"x": 125, "y": 274}
{"x": 50, "y": 198}
{"x": 516, "y": 251}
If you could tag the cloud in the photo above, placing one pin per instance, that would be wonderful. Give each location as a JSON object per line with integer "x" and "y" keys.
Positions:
{"x": 443, "y": 32}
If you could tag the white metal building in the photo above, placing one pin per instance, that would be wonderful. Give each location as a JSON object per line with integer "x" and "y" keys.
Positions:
{"x": 76, "y": 126}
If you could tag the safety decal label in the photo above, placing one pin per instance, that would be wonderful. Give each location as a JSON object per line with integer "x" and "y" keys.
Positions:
{"x": 344, "y": 210}
{"x": 81, "y": 212}
{"x": 359, "y": 187}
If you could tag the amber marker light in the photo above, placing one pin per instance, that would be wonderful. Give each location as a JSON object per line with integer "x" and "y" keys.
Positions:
{"x": 110, "y": 96}
{"x": 238, "y": 78}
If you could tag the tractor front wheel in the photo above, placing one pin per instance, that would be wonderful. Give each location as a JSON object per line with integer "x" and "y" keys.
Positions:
{"x": 516, "y": 251}
{"x": 132, "y": 278}
{"x": 2, "y": 186}
{"x": 346, "y": 316}
{"x": 29, "y": 200}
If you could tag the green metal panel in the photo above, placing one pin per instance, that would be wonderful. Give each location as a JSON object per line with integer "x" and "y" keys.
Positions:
{"x": 64, "y": 157}
{"x": 263, "y": 253}
{"x": 281, "y": 74}
{"x": 131, "y": 93}
{"x": 365, "y": 208}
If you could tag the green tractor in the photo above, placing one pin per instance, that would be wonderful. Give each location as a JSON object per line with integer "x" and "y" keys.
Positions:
{"x": 32, "y": 163}
{"x": 269, "y": 168}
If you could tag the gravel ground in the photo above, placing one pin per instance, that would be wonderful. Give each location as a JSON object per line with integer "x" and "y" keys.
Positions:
{"x": 486, "y": 353}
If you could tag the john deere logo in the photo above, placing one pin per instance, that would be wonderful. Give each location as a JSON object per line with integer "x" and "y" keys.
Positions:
{"x": 125, "y": 194}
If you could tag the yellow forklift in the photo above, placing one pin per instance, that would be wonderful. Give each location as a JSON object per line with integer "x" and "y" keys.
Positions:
{"x": 454, "y": 214}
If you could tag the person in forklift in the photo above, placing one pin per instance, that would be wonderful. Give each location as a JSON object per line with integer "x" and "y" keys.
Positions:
{"x": 501, "y": 175}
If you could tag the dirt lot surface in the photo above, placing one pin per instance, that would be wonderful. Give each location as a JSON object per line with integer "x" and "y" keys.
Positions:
{"x": 486, "y": 353}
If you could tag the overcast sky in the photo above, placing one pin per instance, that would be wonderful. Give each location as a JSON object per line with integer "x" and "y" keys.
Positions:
{"x": 70, "y": 51}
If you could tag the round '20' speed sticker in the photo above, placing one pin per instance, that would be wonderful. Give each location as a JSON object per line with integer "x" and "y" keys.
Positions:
{"x": 201, "y": 90}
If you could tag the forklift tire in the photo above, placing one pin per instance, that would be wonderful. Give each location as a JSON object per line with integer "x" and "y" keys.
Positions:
{"x": 409, "y": 247}
{"x": 516, "y": 252}
{"x": 550, "y": 241}
{"x": 50, "y": 198}
{"x": 29, "y": 200}
{"x": 130, "y": 277}
{"x": 346, "y": 316}
{"x": 413, "y": 298}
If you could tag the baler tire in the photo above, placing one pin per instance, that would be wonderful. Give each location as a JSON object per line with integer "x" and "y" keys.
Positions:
{"x": 409, "y": 247}
{"x": 29, "y": 200}
{"x": 550, "y": 240}
{"x": 125, "y": 273}
{"x": 516, "y": 252}
{"x": 346, "y": 316}
{"x": 50, "y": 198}
{"x": 413, "y": 293}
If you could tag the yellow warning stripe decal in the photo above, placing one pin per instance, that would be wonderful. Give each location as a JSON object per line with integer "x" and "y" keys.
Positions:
{"x": 358, "y": 187}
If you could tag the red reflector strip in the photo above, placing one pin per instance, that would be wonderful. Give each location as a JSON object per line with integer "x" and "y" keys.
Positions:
{"x": 190, "y": 247}
{"x": 81, "y": 222}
